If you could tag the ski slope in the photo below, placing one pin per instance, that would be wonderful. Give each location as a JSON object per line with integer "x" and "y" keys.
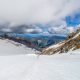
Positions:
{"x": 20, "y": 63}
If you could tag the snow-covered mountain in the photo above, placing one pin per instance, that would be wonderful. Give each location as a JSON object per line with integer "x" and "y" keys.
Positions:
{"x": 71, "y": 43}
{"x": 18, "y": 62}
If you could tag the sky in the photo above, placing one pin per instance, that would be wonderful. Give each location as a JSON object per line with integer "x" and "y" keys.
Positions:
{"x": 43, "y": 16}
{"x": 73, "y": 20}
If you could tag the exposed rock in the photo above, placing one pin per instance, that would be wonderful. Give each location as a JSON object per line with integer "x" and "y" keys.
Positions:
{"x": 71, "y": 43}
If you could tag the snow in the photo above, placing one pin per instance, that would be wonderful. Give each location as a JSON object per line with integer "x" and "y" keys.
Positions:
{"x": 19, "y": 65}
{"x": 76, "y": 35}
{"x": 8, "y": 47}
{"x": 60, "y": 43}
{"x": 54, "y": 46}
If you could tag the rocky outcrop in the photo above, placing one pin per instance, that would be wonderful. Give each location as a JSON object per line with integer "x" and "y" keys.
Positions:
{"x": 71, "y": 43}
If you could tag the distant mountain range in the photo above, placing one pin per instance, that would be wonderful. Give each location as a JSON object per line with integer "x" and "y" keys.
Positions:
{"x": 37, "y": 41}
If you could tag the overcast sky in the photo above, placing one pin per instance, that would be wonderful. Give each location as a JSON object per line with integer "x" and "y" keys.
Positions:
{"x": 37, "y": 11}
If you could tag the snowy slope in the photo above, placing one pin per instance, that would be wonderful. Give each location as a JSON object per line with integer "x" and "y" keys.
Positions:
{"x": 17, "y": 65}
{"x": 8, "y": 47}
{"x": 71, "y": 43}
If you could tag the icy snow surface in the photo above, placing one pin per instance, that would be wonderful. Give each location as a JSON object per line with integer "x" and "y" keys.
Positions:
{"x": 17, "y": 64}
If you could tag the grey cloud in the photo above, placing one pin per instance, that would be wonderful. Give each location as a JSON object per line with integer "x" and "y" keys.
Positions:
{"x": 20, "y": 28}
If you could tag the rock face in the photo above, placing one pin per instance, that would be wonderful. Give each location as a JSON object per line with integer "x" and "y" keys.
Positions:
{"x": 71, "y": 43}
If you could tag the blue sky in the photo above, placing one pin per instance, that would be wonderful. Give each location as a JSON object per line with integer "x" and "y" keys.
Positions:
{"x": 73, "y": 20}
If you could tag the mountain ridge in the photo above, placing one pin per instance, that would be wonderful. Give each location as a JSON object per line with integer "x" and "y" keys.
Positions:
{"x": 72, "y": 42}
{"x": 36, "y": 41}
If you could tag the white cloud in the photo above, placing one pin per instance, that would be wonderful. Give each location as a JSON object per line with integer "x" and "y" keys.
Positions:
{"x": 59, "y": 27}
{"x": 52, "y": 12}
{"x": 38, "y": 30}
{"x": 71, "y": 29}
{"x": 36, "y": 11}
{"x": 6, "y": 29}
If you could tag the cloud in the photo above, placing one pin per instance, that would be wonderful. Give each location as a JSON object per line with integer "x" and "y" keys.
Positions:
{"x": 7, "y": 27}
{"x": 18, "y": 15}
{"x": 59, "y": 27}
{"x": 36, "y": 11}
